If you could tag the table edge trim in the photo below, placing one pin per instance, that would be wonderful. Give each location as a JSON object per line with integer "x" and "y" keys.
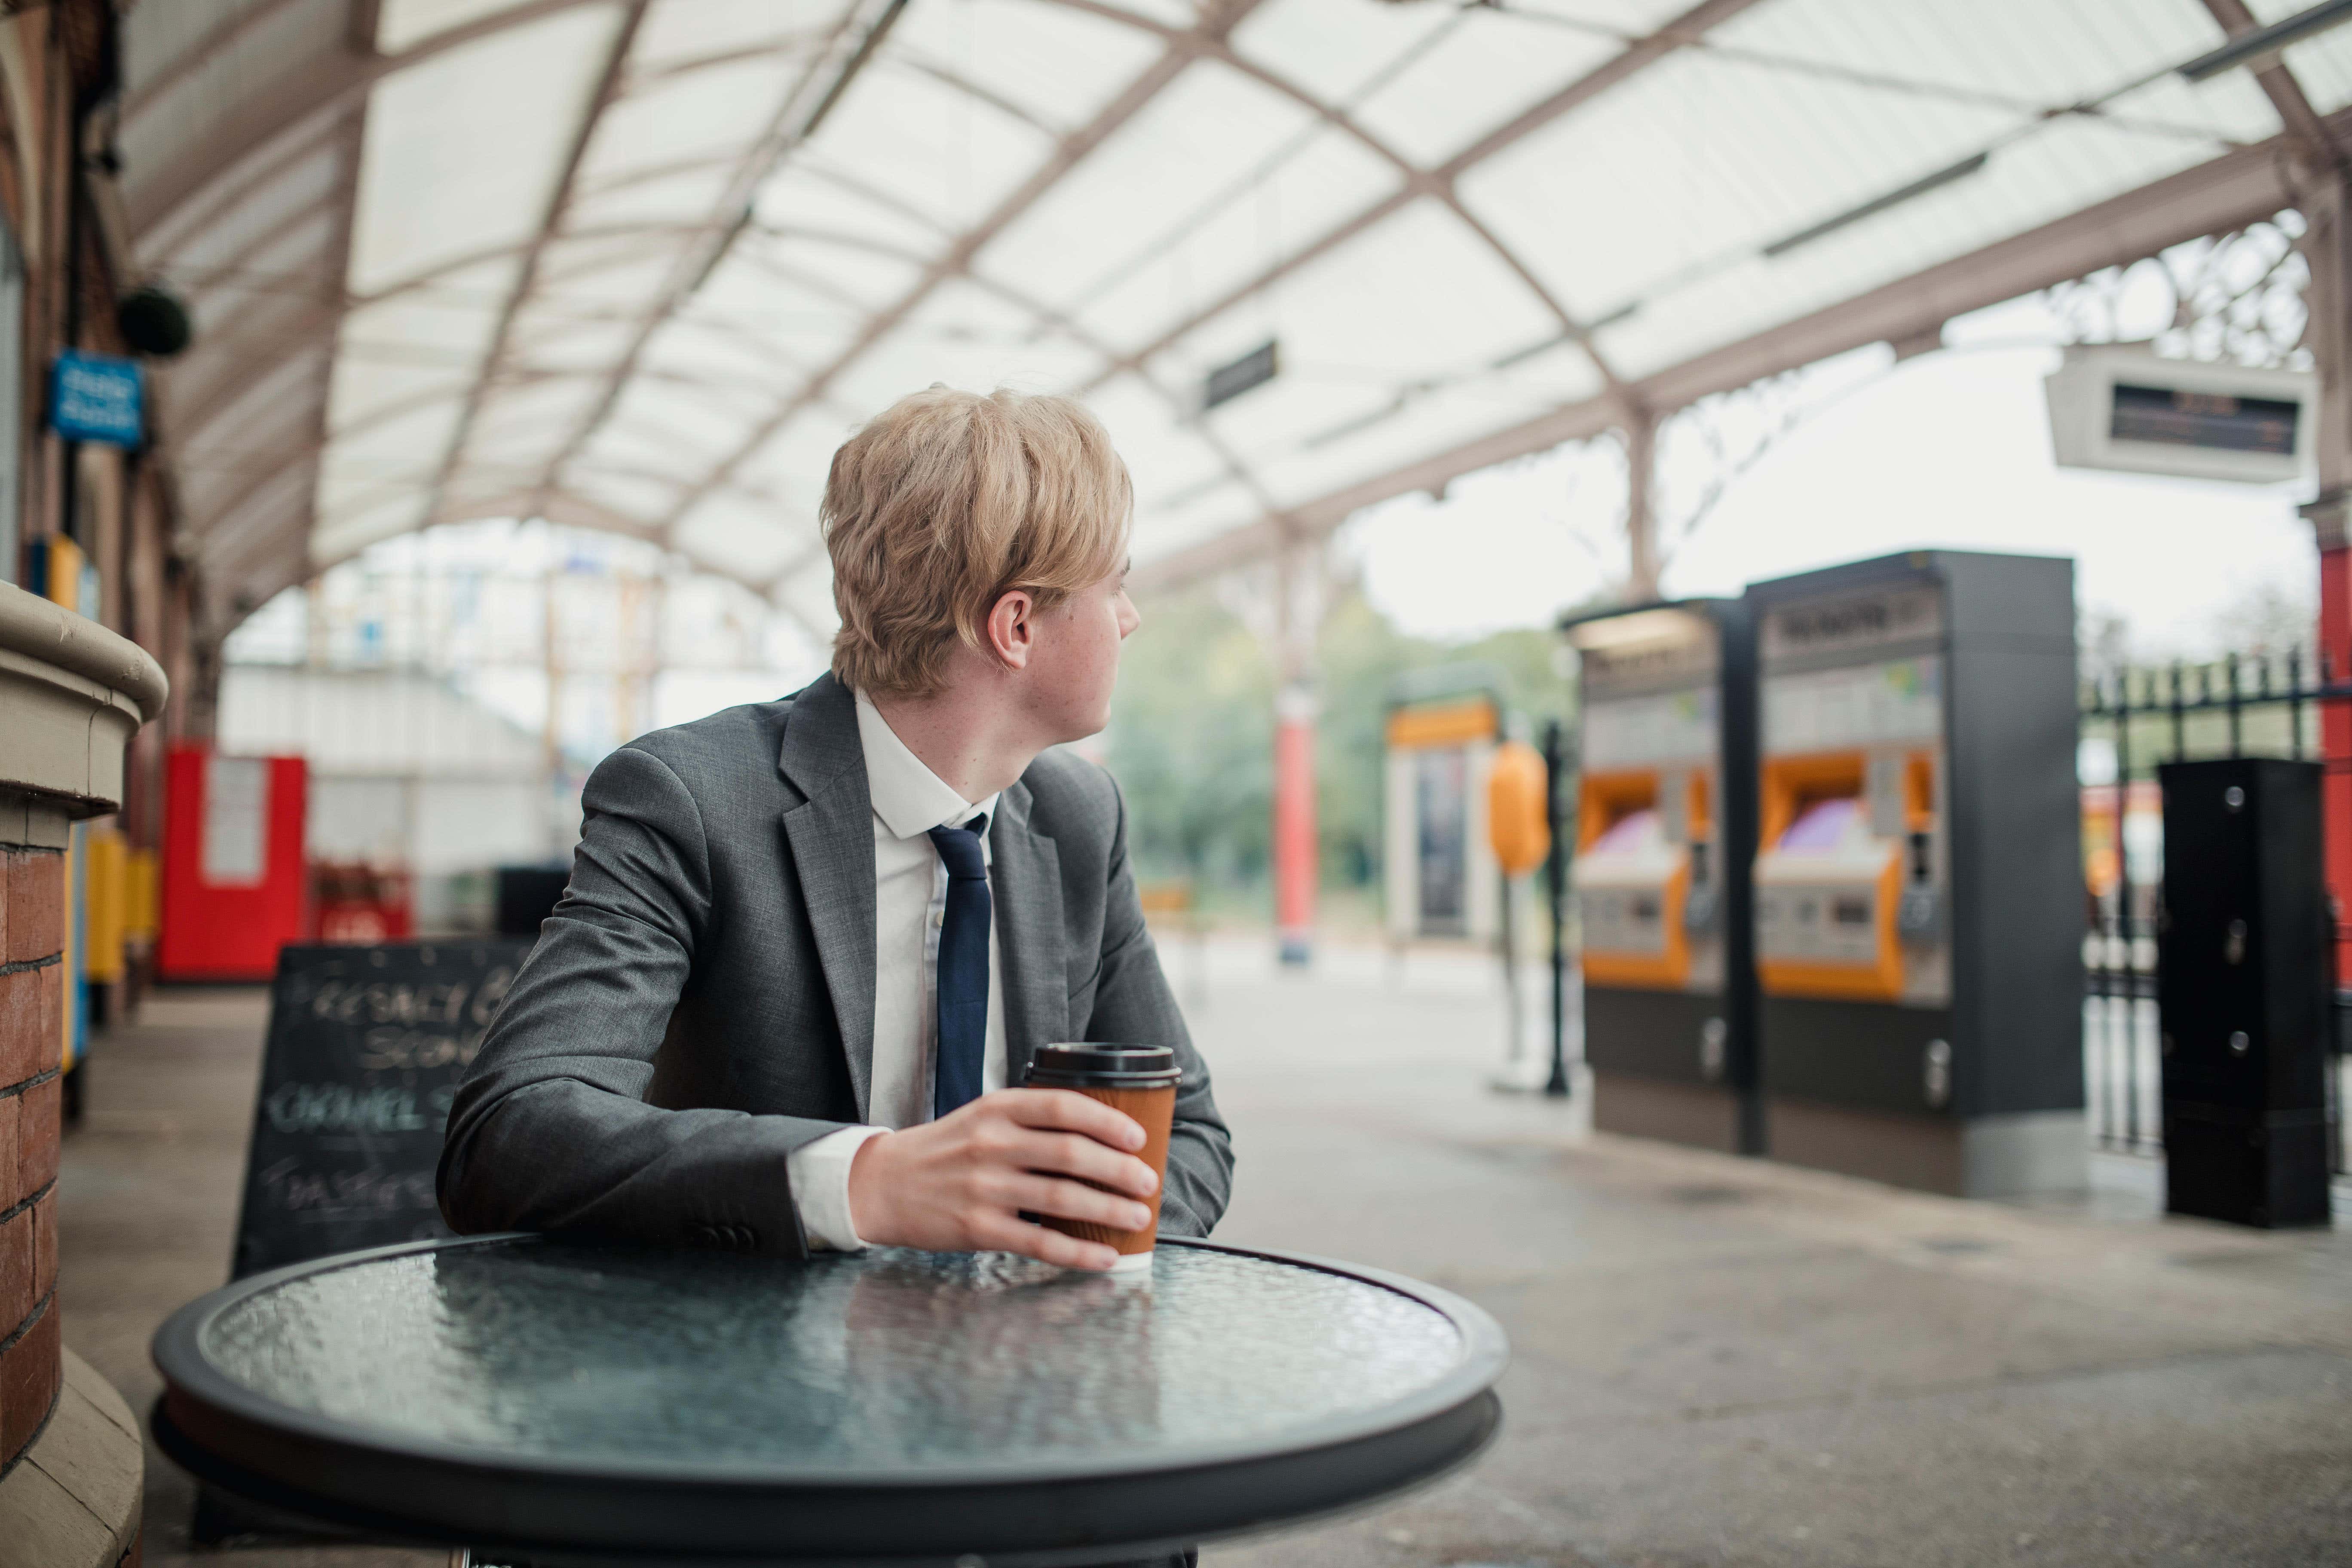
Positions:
{"x": 188, "y": 1376}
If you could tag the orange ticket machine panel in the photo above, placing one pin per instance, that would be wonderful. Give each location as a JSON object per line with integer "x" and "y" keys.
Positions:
{"x": 1918, "y": 875}
{"x": 1665, "y": 837}
{"x": 1849, "y": 879}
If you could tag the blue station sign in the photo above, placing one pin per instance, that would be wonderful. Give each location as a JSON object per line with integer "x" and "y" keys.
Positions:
{"x": 96, "y": 397}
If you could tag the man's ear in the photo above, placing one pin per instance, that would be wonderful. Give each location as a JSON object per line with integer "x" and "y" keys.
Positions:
{"x": 1013, "y": 628}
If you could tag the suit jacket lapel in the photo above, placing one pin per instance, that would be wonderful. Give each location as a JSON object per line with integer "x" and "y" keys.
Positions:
{"x": 1025, "y": 872}
{"x": 832, "y": 837}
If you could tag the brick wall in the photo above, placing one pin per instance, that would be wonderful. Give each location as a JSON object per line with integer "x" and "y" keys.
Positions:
{"x": 32, "y": 1018}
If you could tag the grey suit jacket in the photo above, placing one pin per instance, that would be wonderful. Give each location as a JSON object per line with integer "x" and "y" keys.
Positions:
{"x": 701, "y": 1002}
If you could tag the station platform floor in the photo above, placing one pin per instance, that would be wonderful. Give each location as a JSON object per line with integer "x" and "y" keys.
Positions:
{"x": 1716, "y": 1361}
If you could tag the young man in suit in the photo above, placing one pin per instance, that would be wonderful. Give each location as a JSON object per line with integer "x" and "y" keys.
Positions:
{"x": 808, "y": 945}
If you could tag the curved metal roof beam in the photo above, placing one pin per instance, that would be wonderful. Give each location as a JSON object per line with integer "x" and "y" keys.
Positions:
{"x": 206, "y": 163}
{"x": 655, "y": 173}
{"x": 310, "y": 89}
{"x": 567, "y": 511}
{"x": 2279, "y": 84}
{"x": 907, "y": 59}
{"x": 1211, "y": 39}
{"x": 323, "y": 322}
{"x": 200, "y": 54}
{"x": 947, "y": 76}
{"x": 956, "y": 260}
{"x": 268, "y": 438}
{"x": 323, "y": 328}
{"x": 1236, "y": 468}
{"x": 228, "y": 393}
{"x": 231, "y": 276}
{"x": 1676, "y": 34}
{"x": 417, "y": 282}
{"x": 720, "y": 59}
{"x": 295, "y": 453}
{"x": 334, "y": 264}
{"x": 584, "y": 513}
{"x": 511, "y": 502}
{"x": 266, "y": 506}
{"x": 241, "y": 583}
{"x": 526, "y": 277}
{"x": 162, "y": 257}
{"x": 312, "y": 446}
{"x": 1212, "y": 42}
{"x": 732, "y": 210}
{"x": 1434, "y": 183}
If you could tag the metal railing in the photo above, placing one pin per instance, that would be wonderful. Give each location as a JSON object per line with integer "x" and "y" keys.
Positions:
{"x": 2240, "y": 705}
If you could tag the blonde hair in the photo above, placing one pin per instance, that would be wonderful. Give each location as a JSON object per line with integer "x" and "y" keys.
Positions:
{"x": 948, "y": 500}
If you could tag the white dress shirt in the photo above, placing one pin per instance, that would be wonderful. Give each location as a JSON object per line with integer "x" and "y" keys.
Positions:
{"x": 911, "y": 901}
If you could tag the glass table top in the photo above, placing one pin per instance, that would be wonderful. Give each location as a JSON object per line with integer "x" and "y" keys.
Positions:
{"x": 880, "y": 1360}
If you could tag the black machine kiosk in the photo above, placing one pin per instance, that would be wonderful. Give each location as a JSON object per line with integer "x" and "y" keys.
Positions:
{"x": 1918, "y": 883}
{"x": 1665, "y": 834}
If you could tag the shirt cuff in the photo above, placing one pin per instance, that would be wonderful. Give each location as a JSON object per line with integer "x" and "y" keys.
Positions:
{"x": 819, "y": 1173}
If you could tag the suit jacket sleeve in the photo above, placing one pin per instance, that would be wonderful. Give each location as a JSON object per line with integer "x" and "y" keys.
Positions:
{"x": 550, "y": 1130}
{"x": 1133, "y": 1003}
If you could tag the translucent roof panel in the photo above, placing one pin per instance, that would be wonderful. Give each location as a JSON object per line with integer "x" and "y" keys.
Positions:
{"x": 641, "y": 267}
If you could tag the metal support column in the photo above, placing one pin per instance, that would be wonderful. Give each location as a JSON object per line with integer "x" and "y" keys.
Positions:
{"x": 1556, "y": 819}
{"x": 1298, "y": 593}
{"x": 1642, "y": 565}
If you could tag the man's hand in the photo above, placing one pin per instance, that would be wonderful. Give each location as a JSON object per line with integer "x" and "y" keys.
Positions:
{"x": 960, "y": 1183}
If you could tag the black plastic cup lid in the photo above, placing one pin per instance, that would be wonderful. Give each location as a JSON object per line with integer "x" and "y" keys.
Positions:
{"x": 1072, "y": 1066}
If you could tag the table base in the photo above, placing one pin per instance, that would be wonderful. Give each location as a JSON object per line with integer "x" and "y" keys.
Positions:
{"x": 1267, "y": 1493}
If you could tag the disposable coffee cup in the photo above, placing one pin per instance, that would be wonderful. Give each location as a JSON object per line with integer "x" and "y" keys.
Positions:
{"x": 1140, "y": 1080}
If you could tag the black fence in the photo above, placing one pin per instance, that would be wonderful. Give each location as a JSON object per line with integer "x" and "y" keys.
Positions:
{"x": 2241, "y": 705}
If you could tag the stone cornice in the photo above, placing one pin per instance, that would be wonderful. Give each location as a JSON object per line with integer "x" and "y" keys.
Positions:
{"x": 71, "y": 695}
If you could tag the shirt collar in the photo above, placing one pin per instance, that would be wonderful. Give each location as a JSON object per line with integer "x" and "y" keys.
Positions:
{"x": 908, "y": 796}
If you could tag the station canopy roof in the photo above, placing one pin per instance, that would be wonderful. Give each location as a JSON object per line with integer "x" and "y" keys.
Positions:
{"x": 642, "y": 266}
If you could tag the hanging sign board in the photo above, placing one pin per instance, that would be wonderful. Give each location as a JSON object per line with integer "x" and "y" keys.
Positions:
{"x": 1254, "y": 369}
{"x": 2121, "y": 408}
{"x": 365, "y": 1050}
{"x": 96, "y": 397}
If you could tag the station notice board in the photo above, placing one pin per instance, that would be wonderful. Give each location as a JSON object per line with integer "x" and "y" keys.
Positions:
{"x": 365, "y": 1050}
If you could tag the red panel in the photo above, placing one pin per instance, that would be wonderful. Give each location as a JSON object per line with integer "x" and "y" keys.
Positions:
{"x": 1294, "y": 833}
{"x": 2336, "y": 740}
{"x": 229, "y": 933}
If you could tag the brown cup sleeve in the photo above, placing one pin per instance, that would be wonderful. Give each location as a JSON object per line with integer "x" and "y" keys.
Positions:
{"x": 1155, "y": 1110}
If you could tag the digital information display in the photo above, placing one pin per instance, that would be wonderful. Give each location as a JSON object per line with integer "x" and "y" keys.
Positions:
{"x": 2175, "y": 417}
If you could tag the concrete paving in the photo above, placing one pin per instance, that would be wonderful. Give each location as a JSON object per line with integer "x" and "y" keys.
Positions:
{"x": 1716, "y": 1361}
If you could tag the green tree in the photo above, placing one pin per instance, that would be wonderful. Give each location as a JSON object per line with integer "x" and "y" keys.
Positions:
{"x": 1192, "y": 743}
{"x": 1359, "y": 654}
{"x": 1191, "y": 736}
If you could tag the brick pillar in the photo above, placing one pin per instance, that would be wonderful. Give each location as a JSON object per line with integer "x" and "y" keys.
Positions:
{"x": 71, "y": 696}
{"x": 32, "y": 1022}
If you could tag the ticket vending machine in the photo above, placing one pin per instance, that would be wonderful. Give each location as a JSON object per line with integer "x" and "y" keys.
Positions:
{"x": 1918, "y": 881}
{"x": 1665, "y": 836}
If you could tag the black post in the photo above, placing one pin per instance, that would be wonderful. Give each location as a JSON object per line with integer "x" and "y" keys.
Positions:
{"x": 2230, "y": 673}
{"x": 1555, "y": 891}
{"x": 2127, "y": 1038}
{"x": 2295, "y": 702}
{"x": 2179, "y": 731}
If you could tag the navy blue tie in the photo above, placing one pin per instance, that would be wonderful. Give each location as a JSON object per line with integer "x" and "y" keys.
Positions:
{"x": 963, "y": 969}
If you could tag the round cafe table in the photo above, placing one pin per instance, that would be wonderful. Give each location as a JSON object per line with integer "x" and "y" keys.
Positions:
{"x": 568, "y": 1404}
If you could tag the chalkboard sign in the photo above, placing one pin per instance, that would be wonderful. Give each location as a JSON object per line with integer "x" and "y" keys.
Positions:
{"x": 366, "y": 1047}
